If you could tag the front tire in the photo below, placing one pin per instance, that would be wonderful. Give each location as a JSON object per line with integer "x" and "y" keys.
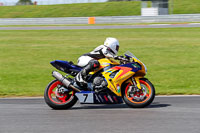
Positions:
{"x": 57, "y": 100}
{"x": 142, "y": 98}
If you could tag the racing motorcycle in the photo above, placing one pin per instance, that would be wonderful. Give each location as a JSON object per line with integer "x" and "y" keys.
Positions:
{"x": 116, "y": 81}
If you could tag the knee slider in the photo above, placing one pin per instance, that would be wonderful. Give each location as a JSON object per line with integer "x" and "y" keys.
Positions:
{"x": 94, "y": 64}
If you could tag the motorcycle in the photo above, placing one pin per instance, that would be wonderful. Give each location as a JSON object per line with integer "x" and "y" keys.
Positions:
{"x": 116, "y": 81}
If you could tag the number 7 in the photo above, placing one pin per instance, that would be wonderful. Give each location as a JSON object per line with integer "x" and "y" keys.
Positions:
{"x": 86, "y": 95}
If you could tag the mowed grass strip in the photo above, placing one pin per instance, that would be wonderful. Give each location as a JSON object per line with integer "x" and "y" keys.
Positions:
{"x": 72, "y": 10}
{"x": 170, "y": 54}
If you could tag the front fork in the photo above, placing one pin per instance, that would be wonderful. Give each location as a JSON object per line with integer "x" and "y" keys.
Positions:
{"x": 136, "y": 91}
{"x": 136, "y": 82}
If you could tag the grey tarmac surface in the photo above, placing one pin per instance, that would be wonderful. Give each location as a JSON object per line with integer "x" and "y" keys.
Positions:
{"x": 102, "y": 27}
{"x": 168, "y": 114}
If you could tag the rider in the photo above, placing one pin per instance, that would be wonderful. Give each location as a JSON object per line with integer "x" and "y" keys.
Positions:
{"x": 90, "y": 60}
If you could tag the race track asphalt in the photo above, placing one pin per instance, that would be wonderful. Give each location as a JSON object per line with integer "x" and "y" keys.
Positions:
{"x": 101, "y": 27}
{"x": 167, "y": 114}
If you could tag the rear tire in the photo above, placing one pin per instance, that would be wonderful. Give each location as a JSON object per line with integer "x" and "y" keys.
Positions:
{"x": 56, "y": 100}
{"x": 139, "y": 99}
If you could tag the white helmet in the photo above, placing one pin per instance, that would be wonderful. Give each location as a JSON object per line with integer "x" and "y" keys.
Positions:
{"x": 111, "y": 47}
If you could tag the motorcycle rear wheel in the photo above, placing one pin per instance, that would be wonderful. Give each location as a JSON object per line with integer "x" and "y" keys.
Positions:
{"x": 142, "y": 98}
{"x": 57, "y": 100}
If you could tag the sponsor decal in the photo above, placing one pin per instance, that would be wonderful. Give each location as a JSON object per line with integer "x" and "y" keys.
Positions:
{"x": 135, "y": 65}
{"x": 118, "y": 88}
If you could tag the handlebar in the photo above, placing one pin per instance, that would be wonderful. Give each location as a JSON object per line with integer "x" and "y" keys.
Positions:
{"x": 121, "y": 58}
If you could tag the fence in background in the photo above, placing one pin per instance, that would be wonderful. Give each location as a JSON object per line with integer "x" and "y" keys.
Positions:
{"x": 102, "y": 20}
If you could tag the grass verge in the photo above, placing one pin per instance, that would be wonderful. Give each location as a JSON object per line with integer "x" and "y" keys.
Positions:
{"x": 96, "y": 24}
{"x": 72, "y": 10}
{"x": 184, "y": 6}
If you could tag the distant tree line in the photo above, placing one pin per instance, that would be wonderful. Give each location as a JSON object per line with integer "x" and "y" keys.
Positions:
{"x": 123, "y": 0}
{"x": 24, "y": 2}
{"x": 29, "y": 2}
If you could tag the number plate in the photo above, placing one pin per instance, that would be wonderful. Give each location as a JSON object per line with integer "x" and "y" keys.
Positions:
{"x": 92, "y": 97}
{"x": 85, "y": 96}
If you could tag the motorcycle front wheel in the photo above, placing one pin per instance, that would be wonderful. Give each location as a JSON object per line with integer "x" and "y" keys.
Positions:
{"x": 57, "y": 99}
{"x": 141, "y": 98}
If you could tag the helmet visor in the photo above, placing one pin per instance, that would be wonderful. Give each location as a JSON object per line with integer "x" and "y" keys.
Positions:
{"x": 117, "y": 48}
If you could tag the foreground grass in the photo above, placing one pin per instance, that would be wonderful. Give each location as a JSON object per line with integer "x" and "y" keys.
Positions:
{"x": 93, "y": 9}
{"x": 171, "y": 55}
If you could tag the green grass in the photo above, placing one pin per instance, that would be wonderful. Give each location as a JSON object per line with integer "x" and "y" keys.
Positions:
{"x": 72, "y": 10}
{"x": 185, "y": 6}
{"x": 92, "y": 9}
{"x": 170, "y": 54}
{"x": 96, "y": 24}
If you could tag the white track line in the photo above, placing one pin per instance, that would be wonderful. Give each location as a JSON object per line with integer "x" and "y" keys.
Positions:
{"x": 43, "y": 97}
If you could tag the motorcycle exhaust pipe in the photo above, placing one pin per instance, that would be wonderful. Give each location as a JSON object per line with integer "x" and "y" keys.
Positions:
{"x": 64, "y": 80}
